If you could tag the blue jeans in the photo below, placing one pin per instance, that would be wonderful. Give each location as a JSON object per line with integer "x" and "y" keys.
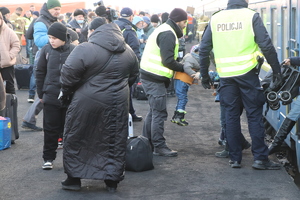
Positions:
{"x": 181, "y": 90}
{"x": 32, "y": 84}
{"x": 294, "y": 113}
{"x": 28, "y": 46}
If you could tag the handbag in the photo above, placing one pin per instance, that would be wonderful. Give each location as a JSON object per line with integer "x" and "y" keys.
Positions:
{"x": 139, "y": 156}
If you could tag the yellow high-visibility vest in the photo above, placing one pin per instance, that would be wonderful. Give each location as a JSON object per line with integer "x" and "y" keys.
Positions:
{"x": 151, "y": 59}
{"x": 234, "y": 46}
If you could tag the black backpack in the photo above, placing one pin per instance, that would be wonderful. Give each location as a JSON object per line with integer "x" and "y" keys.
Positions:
{"x": 139, "y": 154}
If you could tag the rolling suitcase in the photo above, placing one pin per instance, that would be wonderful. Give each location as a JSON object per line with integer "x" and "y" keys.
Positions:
{"x": 23, "y": 73}
{"x": 11, "y": 112}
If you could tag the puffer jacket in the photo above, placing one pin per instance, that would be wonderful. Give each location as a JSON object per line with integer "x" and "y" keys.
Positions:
{"x": 41, "y": 26}
{"x": 48, "y": 71}
{"x": 9, "y": 46}
{"x": 74, "y": 24}
{"x": 191, "y": 66}
{"x": 96, "y": 127}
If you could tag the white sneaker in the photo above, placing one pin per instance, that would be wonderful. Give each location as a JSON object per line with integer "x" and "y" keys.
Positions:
{"x": 48, "y": 165}
{"x": 30, "y": 99}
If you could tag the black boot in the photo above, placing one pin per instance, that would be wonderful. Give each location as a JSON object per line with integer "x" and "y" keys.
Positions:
{"x": 111, "y": 186}
{"x": 283, "y": 131}
{"x": 71, "y": 183}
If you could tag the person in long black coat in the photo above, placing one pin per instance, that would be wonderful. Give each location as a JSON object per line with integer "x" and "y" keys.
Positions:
{"x": 96, "y": 127}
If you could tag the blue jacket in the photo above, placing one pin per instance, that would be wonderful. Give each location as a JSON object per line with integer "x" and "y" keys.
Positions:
{"x": 262, "y": 38}
{"x": 130, "y": 35}
{"x": 41, "y": 26}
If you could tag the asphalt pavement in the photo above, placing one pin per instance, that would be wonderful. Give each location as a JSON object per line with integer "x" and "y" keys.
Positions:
{"x": 195, "y": 174}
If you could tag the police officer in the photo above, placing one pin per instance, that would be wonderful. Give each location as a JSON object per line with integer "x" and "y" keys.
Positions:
{"x": 157, "y": 66}
{"x": 236, "y": 34}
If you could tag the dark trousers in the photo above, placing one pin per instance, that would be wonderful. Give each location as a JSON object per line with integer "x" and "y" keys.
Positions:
{"x": 8, "y": 75}
{"x": 131, "y": 109}
{"x": 54, "y": 120}
{"x": 244, "y": 89}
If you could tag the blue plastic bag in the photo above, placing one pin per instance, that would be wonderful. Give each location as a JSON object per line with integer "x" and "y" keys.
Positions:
{"x": 5, "y": 133}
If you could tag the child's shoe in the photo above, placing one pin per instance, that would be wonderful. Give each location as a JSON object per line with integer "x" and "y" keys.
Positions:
{"x": 178, "y": 118}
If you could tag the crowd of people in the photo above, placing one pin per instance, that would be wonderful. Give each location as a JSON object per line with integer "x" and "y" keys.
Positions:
{"x": 86, "y": 98}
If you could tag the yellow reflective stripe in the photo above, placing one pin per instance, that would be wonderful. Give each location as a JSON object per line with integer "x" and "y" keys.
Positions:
{"x": 237, "y": 67}
{"x": 155, "y": 57}
{"x": 158, "y": 69}
{"x": 18, "y": 32}
{"x": 237, "y": 58}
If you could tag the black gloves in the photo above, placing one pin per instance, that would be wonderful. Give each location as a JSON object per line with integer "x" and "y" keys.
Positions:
{"x": 206, "y": 82}
{"x": 65, "y": 98}
{"x": 275, "y": 83}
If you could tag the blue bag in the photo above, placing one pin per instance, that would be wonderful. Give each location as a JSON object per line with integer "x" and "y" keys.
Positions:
{"x": 5, "y": 133}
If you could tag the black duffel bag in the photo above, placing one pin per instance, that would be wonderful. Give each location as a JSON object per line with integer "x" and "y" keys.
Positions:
{"x": 139, "y": 154}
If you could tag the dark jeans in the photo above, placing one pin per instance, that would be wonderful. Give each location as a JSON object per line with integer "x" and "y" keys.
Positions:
{"x": 8, "y": 75}
{"x": 54, "y": 120}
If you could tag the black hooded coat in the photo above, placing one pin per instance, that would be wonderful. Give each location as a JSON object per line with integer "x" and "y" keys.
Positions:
{"x": 96, "y": 127}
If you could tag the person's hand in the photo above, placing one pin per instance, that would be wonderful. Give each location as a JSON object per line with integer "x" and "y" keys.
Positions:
{"x": 206, "y": 82}
{"x": 65, "y": 98}
{"x": 277, "y": 81}
{"x": 196, "y": 76}
{"x": 287, "y": 61}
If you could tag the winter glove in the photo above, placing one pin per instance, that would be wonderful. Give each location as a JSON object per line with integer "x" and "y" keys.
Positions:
{"x": 206, "y": 82}
{"x": 275, "y": 84}
{"x": 65, "y": 98}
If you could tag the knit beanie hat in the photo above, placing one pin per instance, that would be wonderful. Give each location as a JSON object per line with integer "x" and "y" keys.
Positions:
{"x": 36, "y": 13}
{"x": 97, "y": 22}
{"x": 52, "y": 4}
{"x": 78, "y": 12}
{"x": 73, "y": 34}
{"x": 178, "y": 15}
{"x": 4, "y": 10}
{"x": 101, "y": 11}
{"x": 58, "y": 30}
{"x": 146, "y": 19}
{"x": 155, "y": 18}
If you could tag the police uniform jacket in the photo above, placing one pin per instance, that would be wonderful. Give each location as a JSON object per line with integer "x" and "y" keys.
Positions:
{"x": 261, "y": 38}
